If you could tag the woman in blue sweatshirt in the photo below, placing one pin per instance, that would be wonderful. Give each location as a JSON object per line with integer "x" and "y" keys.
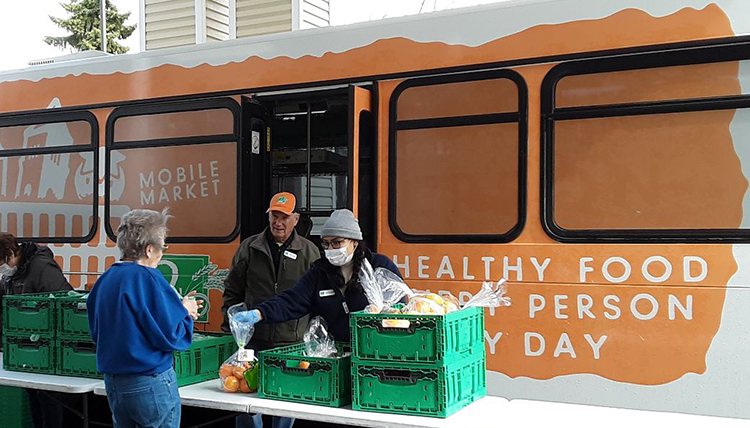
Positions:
{"x": 331, "y": 287}
{"x": 137, "y": 320}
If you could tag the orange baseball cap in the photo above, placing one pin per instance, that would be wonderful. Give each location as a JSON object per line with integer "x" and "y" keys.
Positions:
{"x": 283, "y": 202}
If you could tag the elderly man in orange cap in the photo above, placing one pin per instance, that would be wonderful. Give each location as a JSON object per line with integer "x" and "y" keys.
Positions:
{"x": 265, "y": 265}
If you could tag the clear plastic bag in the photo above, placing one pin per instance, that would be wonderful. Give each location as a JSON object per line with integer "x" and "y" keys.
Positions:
{"x": 370, "y": 287}
{"x": 382, "y": 288}
{"x": 318, "y": 342}
{"x": 491, "y": 295}
{"x": 239, "y": 373}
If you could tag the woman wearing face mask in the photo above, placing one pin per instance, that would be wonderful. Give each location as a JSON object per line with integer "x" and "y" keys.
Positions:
{"x": 331, "y": 287}
{"x": 28, "y": 267}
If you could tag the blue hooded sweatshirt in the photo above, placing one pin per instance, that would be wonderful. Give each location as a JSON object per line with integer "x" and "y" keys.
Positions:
{"x": 137, "y": 320}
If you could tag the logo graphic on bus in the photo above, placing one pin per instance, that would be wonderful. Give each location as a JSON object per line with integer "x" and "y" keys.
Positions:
{"x": 188, "y": 273}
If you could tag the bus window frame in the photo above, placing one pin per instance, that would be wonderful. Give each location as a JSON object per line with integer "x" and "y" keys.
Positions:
{"x": 42, "y": 118}
{"x": 176, "y": 107}
{"x": 519, "y": 117}
{"x": 637, "y": 61}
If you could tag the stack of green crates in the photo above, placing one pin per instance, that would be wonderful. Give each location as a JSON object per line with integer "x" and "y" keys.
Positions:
{"x": 76, "y": 351}
{"x": 49, "y": 333}
{"x": 286, "y": 373}
{"x": 426, "y": 365}
{"x": 29, "y": 332}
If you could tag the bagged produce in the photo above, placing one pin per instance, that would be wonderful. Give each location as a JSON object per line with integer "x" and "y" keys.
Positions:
{"x": 491, "y": 295}
{"x": 318, "y": 342}
{"x": 239, "y": 373}
{"x": 383, "y": 288}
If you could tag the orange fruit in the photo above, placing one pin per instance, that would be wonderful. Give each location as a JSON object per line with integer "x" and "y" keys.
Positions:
{"x": 231, "y": 384}
{"x": 304, "y": 364}
{"x": 225, "y": 371}
{"x": 239, "y": 373}
{"x": 243, "y": 386}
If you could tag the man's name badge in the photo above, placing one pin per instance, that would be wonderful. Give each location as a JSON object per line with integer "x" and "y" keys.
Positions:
{"x": 290, "y": 254}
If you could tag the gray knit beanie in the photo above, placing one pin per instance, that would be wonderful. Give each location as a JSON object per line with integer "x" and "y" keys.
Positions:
{"x": 342, "y": 224}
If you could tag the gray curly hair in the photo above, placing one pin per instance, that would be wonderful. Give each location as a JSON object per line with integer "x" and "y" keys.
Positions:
{"x": 139, "y": 229}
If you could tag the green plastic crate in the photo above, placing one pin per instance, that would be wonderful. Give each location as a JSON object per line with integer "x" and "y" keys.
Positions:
{"x": 33, "y": 313}
{"x": 76, "y": 356}
{"x": 29, "y": 352}
{"x": 72, "y": 316}
{"x": 14, "y": 408}
{"x": 426, "y": 339}
{"x": 413, "y": 389}
{"x": 202, "y": 361}
{"x": 326, "y": 382}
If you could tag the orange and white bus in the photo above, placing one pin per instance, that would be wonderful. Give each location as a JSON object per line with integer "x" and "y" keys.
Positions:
{"x": 596, "y": 153}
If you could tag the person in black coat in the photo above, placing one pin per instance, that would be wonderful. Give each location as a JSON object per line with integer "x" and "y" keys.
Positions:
{"x": 331, "y": 287}
{"x": 31, "y": 268}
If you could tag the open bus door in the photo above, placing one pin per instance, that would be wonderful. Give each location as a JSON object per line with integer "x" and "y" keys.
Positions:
{"x": 316, "y": 145}
{"x": 362, "y": 161}
{"x": 255, "y": 165}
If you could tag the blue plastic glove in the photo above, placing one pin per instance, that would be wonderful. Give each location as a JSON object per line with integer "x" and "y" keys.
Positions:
{"x": 248, "y": 317}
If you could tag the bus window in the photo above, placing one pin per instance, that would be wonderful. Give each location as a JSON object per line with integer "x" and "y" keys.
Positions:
{"x": 451, "y": 100}
{"x": 652, "y": 84}
{"x": 458, "y": 158}
{"x": 48, "y": 173}
{"x": 174, "y": 125}
{"x": 654, "y": 156}
{"x": 180, "y": 156}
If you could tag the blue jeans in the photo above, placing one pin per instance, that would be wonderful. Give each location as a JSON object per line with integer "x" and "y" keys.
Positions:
{"x": 144, "y": 401}
{"x": 255, "y": 421}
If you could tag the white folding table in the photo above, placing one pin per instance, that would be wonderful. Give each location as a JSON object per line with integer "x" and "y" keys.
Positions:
{"x": 47, "y": 382}
{"x": 208, "y": 395}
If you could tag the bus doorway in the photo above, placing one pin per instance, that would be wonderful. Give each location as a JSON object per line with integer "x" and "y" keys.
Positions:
{"x": 314, "y": 145}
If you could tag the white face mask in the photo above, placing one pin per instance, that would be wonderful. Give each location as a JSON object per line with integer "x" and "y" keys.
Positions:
{"x": 340, "y": 256}
{"x": 6, "y": 270}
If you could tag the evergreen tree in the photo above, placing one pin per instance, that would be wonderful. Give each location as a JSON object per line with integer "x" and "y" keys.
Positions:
{"x": 85, "y": 25}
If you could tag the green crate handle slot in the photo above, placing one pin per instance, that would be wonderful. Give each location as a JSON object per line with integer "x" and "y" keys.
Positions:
{"x": 28, "y": 306}
{"x": 23, "y": 342}
{"x": 84, "y": 347}
{"x": 393, "y": 375}
{"x": 285, "y": 367}
{"x": 414, "y": 325}
{"x": 78, "y": 307}
{"x": 308, "y": 371}
{"x": 411, "y": 329}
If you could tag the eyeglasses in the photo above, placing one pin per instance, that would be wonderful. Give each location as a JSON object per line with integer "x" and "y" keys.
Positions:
{"x": 163, "y": 248}
{"x": 339, "y": 243}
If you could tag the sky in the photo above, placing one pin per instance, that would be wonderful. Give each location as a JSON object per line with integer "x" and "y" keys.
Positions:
{"x": 25, "y": 23}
